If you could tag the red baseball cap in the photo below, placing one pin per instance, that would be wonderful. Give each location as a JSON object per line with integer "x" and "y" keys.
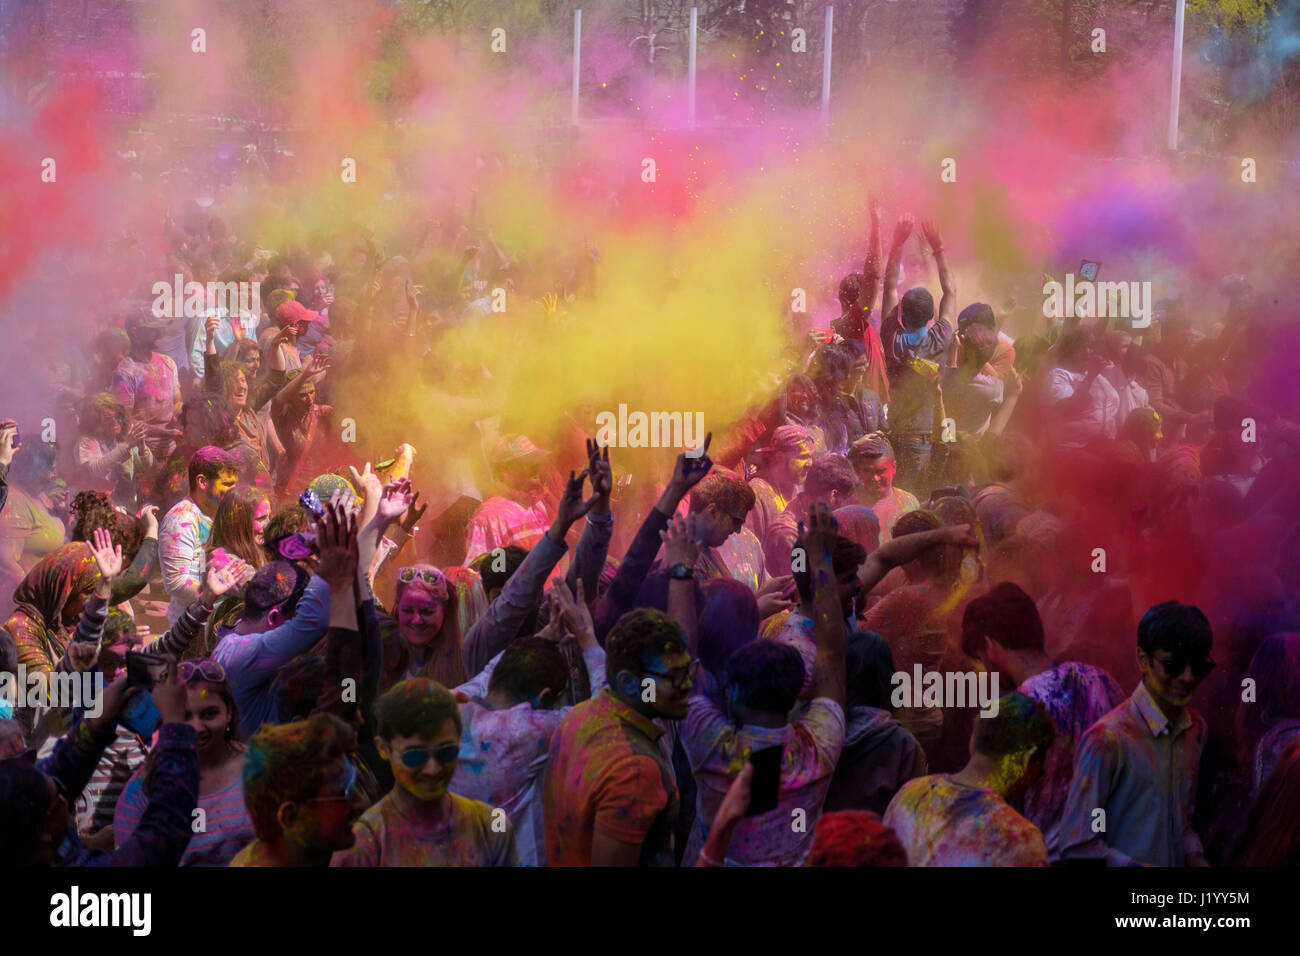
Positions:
{"x": 294, "y": 311}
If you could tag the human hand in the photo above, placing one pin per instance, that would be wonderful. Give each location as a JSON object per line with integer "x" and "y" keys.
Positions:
{"x": 112, "y": 701}
{"x": 602, "y": 476}
{"x": 414, "y": 512}
{"x": 336, "y": 541}
{"x": 819, "y": 538}
{"x": 574, "y": 613}
{"x": 873, "y": 207}
{"x": 571, "y": 506}
{"x": 318, "y": 366}
{"x": 367, "y": 482}
{"x": 681, "y": 541}
{"x": 221, "y": 577}
{"x": 82, "y": 655}
{"x": 961, "y": 536}
{"x": 169, "y": 694}
{"x": 210, "y": 327}
{"x": 931, "y": 233}
{"x": 147, "y": 517}
{"x": 903, "y": 228}
{"x": 107, "y": 555}
{"x": 136, "y": 432}
{"x": 689, "y": 472}
{"x": 412, "y": 297}
{"x": 394, "y": 500}
{"x": 8, "y": 431}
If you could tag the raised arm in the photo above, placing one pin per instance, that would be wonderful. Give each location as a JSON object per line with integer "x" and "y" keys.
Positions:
{"x": 889, "y": 297}
{"x": 947, "y": 304}
{"x": 593, "y": 546}
{"x": 907, "y": 548}
{"x": 828, "y": 677}
{"x": 871, "y": 267}
{"x": 681, "y": 546}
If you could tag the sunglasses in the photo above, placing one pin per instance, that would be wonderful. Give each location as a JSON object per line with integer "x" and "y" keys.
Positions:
{"x": 427, "y": 575}
{"x": 209, "y": 671}
{"x": 348, "y": 789}
{"x": 678, "y": 679}
{"x": 1175, "y": 664}
{"x": 416, "y": 758}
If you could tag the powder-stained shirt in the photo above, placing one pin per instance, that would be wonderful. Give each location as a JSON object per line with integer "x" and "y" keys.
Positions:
{"x": 148, "y": 390}
{"x": 942, "y": 823}
{"x": 768, "y": 503}
{"x": 608, "y": 773}
{"x": 503, "y": 754}
{"x": 501, "y": 522}
{"x": 892, "y": 507}
{"x": 469, "y": 834}
{"x": 1099, "y": 418}
{"x": 810, "y": 746}
{"x": 1076, "y": 696}
{"x": 1140, "y": 768}
{"x": 183, "y": 532}
{"x": 227, "y": 827}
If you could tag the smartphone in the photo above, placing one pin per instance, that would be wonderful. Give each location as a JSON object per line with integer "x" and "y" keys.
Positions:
{"x": 143, "y": 671}
{"x": 765, "y": 787}
{"x": 1089, "y": 269}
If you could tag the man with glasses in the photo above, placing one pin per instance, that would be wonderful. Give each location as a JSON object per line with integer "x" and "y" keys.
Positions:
{"x": 421, "y": 822}
{"x": 610, "y": 797}
{"x": 1138, "y": 764}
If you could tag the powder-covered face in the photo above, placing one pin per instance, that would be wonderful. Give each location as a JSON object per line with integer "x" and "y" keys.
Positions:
{"x": 430, "y": 780}
{"x": 261, "y": 518}
{"x": 207, "y": 713}
{"x": 419, "y": 616}
{"x": 239, "y": 391}
{"x": 877, "y": 477}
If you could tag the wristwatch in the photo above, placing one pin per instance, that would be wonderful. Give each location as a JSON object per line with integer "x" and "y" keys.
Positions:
{"x": 681, "y": 572}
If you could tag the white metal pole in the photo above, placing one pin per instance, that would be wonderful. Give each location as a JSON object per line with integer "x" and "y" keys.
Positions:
{"x": 826, "y": 66}
{"x": 690, "y": 81}
{"x": 577, "y": 59}
{"x": 1178, "y": 74}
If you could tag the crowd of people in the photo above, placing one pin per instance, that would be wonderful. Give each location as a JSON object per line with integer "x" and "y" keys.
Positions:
{"x": 1102, "y": 518}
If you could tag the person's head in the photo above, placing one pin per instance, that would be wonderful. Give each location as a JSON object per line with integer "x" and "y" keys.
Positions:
{"x": 935, "y": 564}
{"x": 271, "y": 597}
{"x": 1076, "y": 348}
{"x": 846, "y": 557}
{"x": 801, "y": 396}
{"x": 498, "y": 566}
{"x": 831, "y": 479}
{"x": 854, "y": 838}
{"x": 531, "y": 670}
{"x": 118, "y": 638}
{"x": 978, "y": 343}
{"x": 1001, "y": 628}
{"x": 418, "y": 733}
{"x": 1275, "y": 669}
{"x": 306, "y": 396}
{"x": 426, "y": 605}
{"x": 861, "y": 360}
{"x": 143, "y": 330}
{"x": 249, "y": 355}
{"x": 787, "y": 456}
{"x": 212, "y": 472}
{"x": 831, "y": 366}
{"x": 515, "y": 461}
{"x": 1271, "y": 837}
{"x": 720, "y": 503}
{"x": 916, "y": 309}
{"x": 976, "y": 314}
{"x": 240, "y": 524}
{"x": 1174, "y": 642}
{"x": 209, "y": 704}
{"x": 728, "y": 621}
{"x": 36, "y": 816}
{"x": 104, "y": 417}
{"x": 300, "y": 787}
{"x": 648, "y": 665}
{"x": 291, "y": 519}
{"x": 234, "y": 378}
{"x": 850, "y": 291}
{"x": 109, "y": 348}
{"x": 33, "y": 466}
{"x": 869, "y": 670}
{"x": 763, "y": 681}
{"x": 1013, "y": 744}
{"x": 872, "y": 458}
{"x": 54, "y": 591}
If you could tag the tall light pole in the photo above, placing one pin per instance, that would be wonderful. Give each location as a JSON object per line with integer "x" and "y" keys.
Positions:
{"x": 826, "y": 66}
{"x": 1178, "y": 74}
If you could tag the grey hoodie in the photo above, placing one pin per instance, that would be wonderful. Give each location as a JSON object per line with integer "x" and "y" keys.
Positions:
{"x": 879, "y": 756}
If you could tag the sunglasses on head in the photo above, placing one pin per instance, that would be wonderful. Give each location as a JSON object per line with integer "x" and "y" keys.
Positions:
{"x": 427, "y": 575}
{"x": 1176, "y": 663}
{"x": 416, "y": 758}
{"x": 202, "y": 670}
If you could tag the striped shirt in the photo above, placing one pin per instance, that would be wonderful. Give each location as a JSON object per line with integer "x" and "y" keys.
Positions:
{"x": 226, "y": 826}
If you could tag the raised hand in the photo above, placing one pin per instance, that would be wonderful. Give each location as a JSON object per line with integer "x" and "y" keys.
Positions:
{"x": 571, "y": 506}
{"x": 367, "y": 482}
{"x": 318, "y": 365}
{"x": 210, "y": 327}
{"x": 395, "y": 499}
{"x": 690, "y": 471}
{"x": 574, "y": 612}
{"x": 681, "y": 541}
{"x": 819, "y": 538}
{"x": 873, "y": 207}
{"x": 414, "y": 512}
{"x": 931, "y": 233}
{"x": 903, "y": 228}
{"x": 222, "y": 577}
{"x": 602, "y": 476}
{"x": 136, "y": 432}
{"x": 961, "y": 536}
{"x": 107, "y": 555}
{"x": 148, "y": 519}
{"x": 8, "y": 432}
{"x": 336, "y": 541}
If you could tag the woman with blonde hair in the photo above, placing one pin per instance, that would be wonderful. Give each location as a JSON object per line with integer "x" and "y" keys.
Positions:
{"x": 422, "y": 636}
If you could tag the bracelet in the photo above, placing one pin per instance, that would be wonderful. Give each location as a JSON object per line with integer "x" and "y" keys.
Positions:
{"x": 681, "y": 572}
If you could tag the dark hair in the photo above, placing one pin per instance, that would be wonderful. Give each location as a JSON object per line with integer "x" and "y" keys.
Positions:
{"x": 288, "y": 520}
{"x": 269, "y": 587}
{"x": 728, "y": 621}
{"x": 1172, "y": 626}
{"x": 933, "y": 562}
{"x": 830, "y": 475}
{"x": 979, "y": 342}
{"x": 725, "y": 490}
{"x": 495, "y": 580}
{"x": 209, "y": 462}
{"x": 767, "y": 675}
{"x": 116, "y": 624}
{"x": 854, "y": 838}
{"x": 639, "y": 636}
{"x": 830, "y": 365}
{"x": 976, "y": 314}
{"x": 415, "y": 708}
{"x": 1020, "y": 724}
{"x": 94, "y": 509}
{"x": 298, "y": 686}
{"x": 529, "y": 666}
{"x": 869, "y": 666}
{"x": 232, "y": 526}
{"x": 916, "y": 308}
{"x": 105, "y": 402}
{"x": 850, "y": 291}
{"x": 846, "y": 555}
{"x": 287, "y": 763}
{"x": 1074, "y": 341}
{"x": 31, "y": 465}
{"x": 1007, "y": 615}
{"x": 25, "y": 796}
{"x": 870, "y": 446}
